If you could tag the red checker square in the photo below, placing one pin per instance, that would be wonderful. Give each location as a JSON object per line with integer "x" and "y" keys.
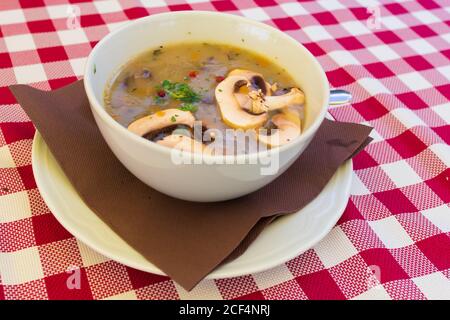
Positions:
{"x": 379, "y": 70}
{"x": 314, "y": 48}
{"x": 389, "y": 268}
{"x": 78, "y": 288}
{"x": 307, "y": 262}
{"x": 320, "y": 286}
{"x": 285, "y": 24}
{"x": 395, "y": 8}
{"x": 350, "y": 213}
{"x": 443, "y": 132}
{"x": 363, "y": 160}
{"x": 41, "y": 26}
{"x": 441, "y": 185}
{"x": 424, "y": 31}
{"x": 31, "y": 3}
{"x": 340, "y": 77}
{"x": 60, "y": 256}
{"x": 16, "y": 131}
{"x": 79, "y": 1}
{"x": 108, "y": 279}
{"x": 134, "y": 13}
{"x": 2, "y": 293}
{"x": 257, "y": 295}
{"x": 6, "y": 96}
{"x": 388, "y": 37}
{"x": 180, "y": 7}
{"x": 360, "y": 13}
{"x": 325, "y": 18}
{"x": 32, "y": 290}
{"x": 16, "y": 235}
{"x": 91, "y": 20}
{"x": 58, "y": 83}
{"x": 371, "y": 108}
{"x": 350, "y": 43}
{"x": 265, "y": 3}
{"x": 47, "y": 229}
{"x": 52, "y": 54}
{"x": 407, "y": 144}
{"x": 437, "y": 250}
{"x": 418, "y": 63}
{"x": 26, "y": 174}
{"x": 10, "y": 181}
{"x": 429, "y": 4}
{"x": 231, "y": 288}
{"x": 444, "y": 90}
{"x": 5, "y": 60}
{"x": 395, "y": 201}
{"x": 288, "y": 290}
{"x": 412, "y": 100}
{"x": 446, "y": 53}
{"x": 224, "y": 5}
{"x": 140, "y": 279}
{"x": 93, "y": 43}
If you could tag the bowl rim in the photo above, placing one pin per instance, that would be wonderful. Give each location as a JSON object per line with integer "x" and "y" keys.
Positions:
{"x": 97, "y": 106}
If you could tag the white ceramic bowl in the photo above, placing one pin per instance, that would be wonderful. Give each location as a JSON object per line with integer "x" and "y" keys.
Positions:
{"x": 207, "y": 178}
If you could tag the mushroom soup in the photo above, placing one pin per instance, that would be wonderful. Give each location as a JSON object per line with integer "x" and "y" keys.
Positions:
{"x": 187, "y": 95}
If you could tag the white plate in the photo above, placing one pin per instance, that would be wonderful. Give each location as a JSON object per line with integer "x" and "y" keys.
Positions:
{"x": 282, "y": 240}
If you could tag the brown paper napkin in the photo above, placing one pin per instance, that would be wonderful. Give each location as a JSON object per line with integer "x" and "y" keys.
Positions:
{"x": 186, "y": 240}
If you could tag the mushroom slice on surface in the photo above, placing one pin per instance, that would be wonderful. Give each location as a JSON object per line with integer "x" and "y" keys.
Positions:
{"x": 286, "y": 131}
{"x": 161, "y": 120}
{"x": 184, "y": 143}
{"x": 255, "y": 80}
{"x": 261, "y": 103}
{"x": 232, "y": 112}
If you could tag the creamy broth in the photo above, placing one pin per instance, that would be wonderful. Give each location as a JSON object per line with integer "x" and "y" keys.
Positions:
{"x": 140, "y": 88}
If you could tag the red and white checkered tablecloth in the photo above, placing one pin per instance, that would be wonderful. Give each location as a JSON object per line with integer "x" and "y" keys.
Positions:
{"x": 393, "y": 241}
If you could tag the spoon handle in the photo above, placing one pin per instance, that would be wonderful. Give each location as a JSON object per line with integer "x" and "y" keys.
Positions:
{"x": 339, "y": 96}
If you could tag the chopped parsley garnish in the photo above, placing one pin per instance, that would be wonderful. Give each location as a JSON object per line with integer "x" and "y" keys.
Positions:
{"x": 180, "y": 91}
{"x": 173, "y": 119}
{"x": 188, "y": 107}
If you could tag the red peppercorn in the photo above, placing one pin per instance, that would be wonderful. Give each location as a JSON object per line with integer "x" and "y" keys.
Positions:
{"x": 220, "y": 78}
{"x": 161, "y": 93}
{"x": 193, "y": 74}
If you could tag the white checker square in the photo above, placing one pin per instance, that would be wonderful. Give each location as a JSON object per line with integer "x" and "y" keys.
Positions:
{"x": 272, "y": 277}
{"x": 317, "y": 33}
{"x": 59, "y": 11}
{"x": 331, "y": 4}
{"x": 20, "y": 42}
{"x": 414, "y": 81}
{"x": 335, "y": 248}
{"x": 369, "y": 3}
{"x": 446, "y": 37}
{"x": 421, "y": 46}
{"x": 375, "y": 293}
{"x": 30, "y": 73}
{"x": 12, "y": 16}
{"x": 20, "y": 266}
{"x": 343, "y": 58}
{"x": 257, "y": 14}
{"x": 443, "y": 110}
{"x": 78, "y": 66}
{"x": 434, "y": 286}
{"x": 129, "y": 295}
{"x": 89, "y": 256}
{"x": 107, "y": 6}
{"x": 153, "y": 3}
{"x": 391, "y": 232}
{"x": 14, "y": 206}
{"x": 293, "y": 8}
{"x": 393, "y": 23}
{"x": 383, "y": 53}
{"x": 358, "y": 188}
{"x": 401, "y": 173}
{"x": 439, "y": 216}
{"x": 204, "y": 290}
{"x": 355, "y": 28}
{"x": 373, "y": 86}
{"x": 426, "y": 17}
{"x": 72, "y": 36}
{"x": 6, "y": 160}
{"x": 407, "y": 117}
{"x": 442, "y": 151}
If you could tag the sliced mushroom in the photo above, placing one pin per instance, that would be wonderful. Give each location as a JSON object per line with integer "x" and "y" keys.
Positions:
{"x": 184, "y": 143}
{"x": 160, "y": 120}
{"x": 261, "y": 103}
{"x": 286, "y": 131}
{"x": 255, "y": 80}
{"x": 230, "y": 108}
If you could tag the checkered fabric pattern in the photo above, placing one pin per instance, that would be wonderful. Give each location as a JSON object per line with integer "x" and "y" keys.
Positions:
{"x": 393, "y": 241}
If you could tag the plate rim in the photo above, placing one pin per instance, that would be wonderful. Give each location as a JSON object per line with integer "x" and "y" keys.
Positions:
{"x": 347, "y": 168}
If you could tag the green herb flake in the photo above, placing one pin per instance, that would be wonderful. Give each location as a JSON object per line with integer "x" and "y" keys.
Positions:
{"x": 173, "y": 119}
{"x": 95, "y": 68}
{"x": 180, "y": 91}
{"x": 188, "y": 107}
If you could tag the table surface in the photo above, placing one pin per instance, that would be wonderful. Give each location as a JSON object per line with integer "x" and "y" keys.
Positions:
{"x": 393, "y": 240}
